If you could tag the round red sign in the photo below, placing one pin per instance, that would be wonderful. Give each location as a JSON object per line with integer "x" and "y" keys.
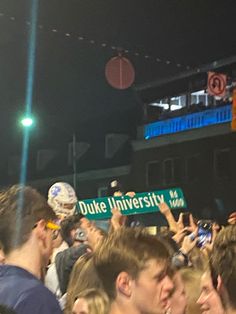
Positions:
{"x": 217, "y": 84}
{"x": 120, "y": 72}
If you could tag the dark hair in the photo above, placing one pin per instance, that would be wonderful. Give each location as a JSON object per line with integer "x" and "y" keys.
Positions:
{"x": 114, "y": 186}
{"x": 223, "y": 261}
{"x": 67, "y": 225}
{"x": 167, "y": 237}
{"x": 21, "y": 207}
{"x": 6, "y": 310}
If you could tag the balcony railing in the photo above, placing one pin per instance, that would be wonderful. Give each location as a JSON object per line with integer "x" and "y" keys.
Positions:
{"x": 189, "y": 121}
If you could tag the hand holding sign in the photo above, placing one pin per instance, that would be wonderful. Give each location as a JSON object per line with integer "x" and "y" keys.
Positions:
{"x": 117, "y": 220}
{"x": 165, "y": 210}
{"x": 130, "y": 194}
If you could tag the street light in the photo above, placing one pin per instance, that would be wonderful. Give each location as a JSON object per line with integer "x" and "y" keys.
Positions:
{"x": 27, "y": 122}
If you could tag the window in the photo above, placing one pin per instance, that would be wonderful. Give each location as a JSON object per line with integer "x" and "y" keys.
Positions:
{"x": 202, "y": 97}
{"x": 168, "y": 171}
{"x": 178, "y": 102}
{"x": 222, "y": 163}
{"x": 178, "y": 170}
{"x": 173, "y": 170}
{"x": 154, "y": 176}
{"x": 192, "y": 168}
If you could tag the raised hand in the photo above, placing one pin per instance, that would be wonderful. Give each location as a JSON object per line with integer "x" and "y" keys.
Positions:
{"x": 117, "y": 220}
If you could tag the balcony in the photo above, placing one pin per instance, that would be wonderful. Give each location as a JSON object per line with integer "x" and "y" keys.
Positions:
{"x": 187, "y": 122}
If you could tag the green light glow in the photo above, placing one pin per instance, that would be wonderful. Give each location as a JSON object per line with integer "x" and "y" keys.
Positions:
{"x": 27, "y": 122}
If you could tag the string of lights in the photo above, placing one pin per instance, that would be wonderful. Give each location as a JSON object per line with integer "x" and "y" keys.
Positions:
{"x": 79, "y": 37}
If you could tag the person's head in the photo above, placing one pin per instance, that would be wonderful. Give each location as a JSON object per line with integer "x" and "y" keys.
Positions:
{"x": 133, "y": 267}
{"x": 199, "y": 260}
{"x": 223, "y": 265}
{"x": 115, "y": 188}
{"x": 94, "y": 236}
{"x": 62, "y": 198}
{"x": 178, "y": 298}
{"x": 71, "y": 230}
{"x": 167, "y": 237}
{"x": 209, "y": 300}
{"x": 83, "y": 277}
{"x": 91, "y": 301}
{"x": 191, "y": 279}
{"x": 26, "y": 218}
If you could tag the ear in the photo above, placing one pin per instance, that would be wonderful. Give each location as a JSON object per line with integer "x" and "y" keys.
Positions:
{"x": 123, "y": 284}
{"x": 219, "y": 283}
{"x": 40, "y": 229}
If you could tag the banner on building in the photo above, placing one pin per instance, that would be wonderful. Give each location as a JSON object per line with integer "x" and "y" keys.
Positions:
{"x": 141, "y": 203}
{"x": 233, "y": 122}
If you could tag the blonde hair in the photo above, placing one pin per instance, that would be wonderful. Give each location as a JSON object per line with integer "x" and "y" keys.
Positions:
{"x": 191, "y": 279}
{"x": 83, "y": 277}
{"x": 199, "y": 260}
{"x": 97, "y": 300}
{"x": 223, "y": 262}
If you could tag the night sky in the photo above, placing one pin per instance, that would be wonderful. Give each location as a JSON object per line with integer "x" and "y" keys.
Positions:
{"x": 75, "y": 40}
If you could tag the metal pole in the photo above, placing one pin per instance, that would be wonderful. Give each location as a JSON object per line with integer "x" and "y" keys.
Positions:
{"x": 74, "y": 162}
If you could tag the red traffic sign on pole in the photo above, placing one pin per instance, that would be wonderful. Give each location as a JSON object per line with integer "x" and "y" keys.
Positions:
{"x": 216, "y": 84}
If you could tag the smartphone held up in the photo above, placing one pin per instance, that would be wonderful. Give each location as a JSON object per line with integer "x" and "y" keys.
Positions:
{"x": 204, "y": 232}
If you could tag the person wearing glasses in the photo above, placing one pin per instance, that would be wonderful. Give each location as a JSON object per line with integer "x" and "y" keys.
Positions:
{"x": 57, "y": 276}
{"x": 27, "y": 232}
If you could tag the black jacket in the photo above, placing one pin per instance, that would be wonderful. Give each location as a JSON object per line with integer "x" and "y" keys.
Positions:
{"x": 65, "y": 261}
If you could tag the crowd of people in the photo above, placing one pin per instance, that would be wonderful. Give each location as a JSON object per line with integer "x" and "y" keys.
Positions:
{"x": 54, "y": 260}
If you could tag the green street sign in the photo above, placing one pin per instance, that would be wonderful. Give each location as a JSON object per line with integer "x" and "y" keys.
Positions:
{"x": 141, "y": 203}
